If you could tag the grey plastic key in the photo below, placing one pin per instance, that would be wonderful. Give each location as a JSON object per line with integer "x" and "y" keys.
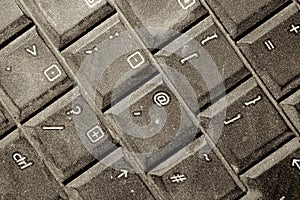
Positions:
{"x": 157, "y": 21}
{"x": 252, "y": 127}
{"x": 122, "y": 75}
{"x": 12, "y": 20}
{"x": 23, "y": 173}
{"x": 240, "y": 15}
{"x": 65, "y": 20}
{"x": 273, "y": 50}
{"x": 30, "y": 74}
{"x": 63, "y": 133}
{"x": 207, "y": 40}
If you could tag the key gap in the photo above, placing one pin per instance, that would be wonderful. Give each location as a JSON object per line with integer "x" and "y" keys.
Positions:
{"x": 8, "y": 132}
{"x": 288, "y": 94}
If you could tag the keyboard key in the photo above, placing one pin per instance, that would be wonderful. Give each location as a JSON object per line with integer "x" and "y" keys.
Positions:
{"x": 207, "y": 35}
{"x": 30, "y": 74}
{"x": 252, "y": 127}
{"x": 23, "y": 173}
{"x": 240, "y": 15}
{"x": 277, "y": 176}
{"x": 273, "y": 51}
{"x": 110, "y": 182}
{"x": 62, "y": 134}
{"x": 12, "y": 20}
{"x": 170, "y": 17}
{"x": 65, "y": 20}
{"x": 291, "y": 107}
{"x": 153, "y": 122}
{"x": 194, "y": 177}
{"x": 121, "y": 76}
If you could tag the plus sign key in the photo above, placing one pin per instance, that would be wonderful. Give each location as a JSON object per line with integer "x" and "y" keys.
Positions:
{"x": 295, "y": 29}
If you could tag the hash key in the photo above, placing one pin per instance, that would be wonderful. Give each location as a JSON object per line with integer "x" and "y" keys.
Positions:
{"x": 30, "y": 74}
{"x": 65, "y": 20}
{"x": 240, "y": 15}
{"x": 273, "y": 50}
{"x": 23, "y": 173}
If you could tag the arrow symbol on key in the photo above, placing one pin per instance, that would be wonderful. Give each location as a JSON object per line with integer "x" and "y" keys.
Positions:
{"x": 124, "y": 173}
{"x": 296, "y": 163}
{"x": 32, "y": 51}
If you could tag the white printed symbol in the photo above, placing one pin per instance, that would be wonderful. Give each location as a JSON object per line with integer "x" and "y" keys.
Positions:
{"x": 296, "y": 163}
{"x": 92, "y": 3}
{"x": 178, "y": 178}
{"x": 208, "y": 38}
{"x": 137, "y": 113}
{"x": 52, "y": 73}
{"x": 21, "y": 160}
{"x": 95, "y": 134}
{"x": 135, "y": 60}
{"x": 32, "y": 51}
{"x": 189, "y": 57}
{"x": 91, "y": 51}
{"x": 282, "y": 198}
{"x": 295, "y": 29}
{"x": 161, "y": 99}
{"x": 254, "y": 101}
{"x": 185, "y": 4}
{"x": 124, "y": 173}
{"x": 53, "y": 127}
{"x": 206, "y": 157}
{"x": 115, "y": 35}
{"x": 75, "y": 111}
{"x": 269, "y": 44}
{"x": 233, "y": 119}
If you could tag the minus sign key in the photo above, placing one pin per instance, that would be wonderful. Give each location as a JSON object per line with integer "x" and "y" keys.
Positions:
{"x": 53, "y": 127}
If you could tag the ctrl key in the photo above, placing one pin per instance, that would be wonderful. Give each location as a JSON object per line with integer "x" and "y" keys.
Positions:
{"x": 23, "y": 175}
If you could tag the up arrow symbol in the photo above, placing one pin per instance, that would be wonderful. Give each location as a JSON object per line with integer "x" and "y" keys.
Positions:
{"x": 32, "y": 51}
{"x": 296, "y": 163}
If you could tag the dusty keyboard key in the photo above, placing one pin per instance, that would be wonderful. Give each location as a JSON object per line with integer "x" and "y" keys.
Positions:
{"x": 291, "y": 107}
{"x": 208, "y": 37}
{"x": 124, "y": 74}
{"x": 110, "y": 182}
{"x": 240, "y": 15}
{"x": 30, "y": 74}
{"x": 12, "y": 20}
{"x": 62, "y": 133}
{"x": 23, "y": 173}
{"x": 252, "y": 128}
{"x": 273, "y": 51}
{"x": 65, "y": 20}
{"x": 170, "y": 16}
{"x": 197, "y": 176}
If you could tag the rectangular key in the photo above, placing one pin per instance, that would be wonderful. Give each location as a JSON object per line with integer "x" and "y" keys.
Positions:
{"x": 65, "y": 20}
{"x": 70, "y": 135}
{"x": 110, "y": 181}
{"x": 240, "y": 15}
{"x": 186, "y": 58}
{"x": 168, "y": 17}
{"x": 123, "y": 74}
{"x": 12, "y": 20}
{"x": 30, "y": 74}
{"x": 252, "y": 127}
{"x": 291, "y": 107}
{"x": 276, "y": 177}
{"x": 23, "y": 173}
{"x": 153, "y": 121}
{"x": 273, "y": 51}
{"x": 200, "y": 175}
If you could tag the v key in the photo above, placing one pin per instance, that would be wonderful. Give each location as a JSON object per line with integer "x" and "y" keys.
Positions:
{"x": 32, "y": 51}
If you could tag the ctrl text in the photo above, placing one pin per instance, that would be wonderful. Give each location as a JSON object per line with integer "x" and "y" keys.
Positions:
{"x": 21, "y": 161}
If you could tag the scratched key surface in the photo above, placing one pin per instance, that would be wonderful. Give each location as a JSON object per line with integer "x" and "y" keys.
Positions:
{"x": 273, "y": 51}
{"x": 170, "y": 17}
{"x": 30, "y": 74}
{"x": 62, "y": 133}
{"x": 209, "y": 41}
{"x": 65, "y": 20}
{"x": 23, "y": 173}
{"x": 252, "y": 127}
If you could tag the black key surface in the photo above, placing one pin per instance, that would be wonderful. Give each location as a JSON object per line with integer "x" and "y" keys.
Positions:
{"x": 168, "y": 17}
{"x": 23, "y": 173}
{"x": 273, "y": 51}
{"x": 239, "y": 15}
{"x": 30, "y": 74}
{"x": 252, "y": 127}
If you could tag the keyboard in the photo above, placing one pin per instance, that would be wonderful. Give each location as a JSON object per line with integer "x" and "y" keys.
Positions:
{"x": 157, "y": 99}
